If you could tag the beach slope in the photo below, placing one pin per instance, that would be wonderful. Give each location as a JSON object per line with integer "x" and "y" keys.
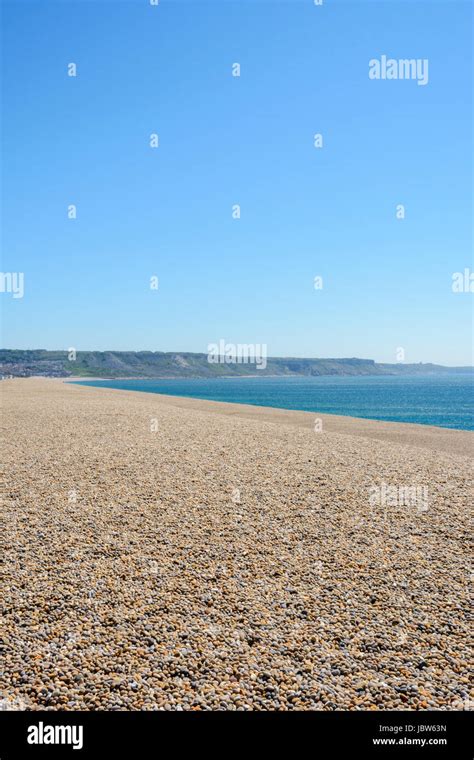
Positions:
{"x": 166, "y": 553}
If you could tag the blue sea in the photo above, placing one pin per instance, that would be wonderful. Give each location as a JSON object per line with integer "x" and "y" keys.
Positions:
{"x": 443, "y": 400}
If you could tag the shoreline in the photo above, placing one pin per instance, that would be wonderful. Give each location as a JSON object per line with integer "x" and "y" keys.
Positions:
{"x": 411, "y": 433}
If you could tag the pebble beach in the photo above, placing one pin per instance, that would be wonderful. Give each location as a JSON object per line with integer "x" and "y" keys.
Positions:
{"x": 175, "y": 554}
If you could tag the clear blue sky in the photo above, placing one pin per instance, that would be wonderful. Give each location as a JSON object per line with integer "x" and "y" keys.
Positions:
{"x": 248, "y": 140}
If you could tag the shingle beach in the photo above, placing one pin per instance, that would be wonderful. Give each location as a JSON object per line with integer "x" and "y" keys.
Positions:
{"x": 177, "y": 554}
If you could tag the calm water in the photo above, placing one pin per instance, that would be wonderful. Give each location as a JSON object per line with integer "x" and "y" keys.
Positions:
{"x": 446, "y": 401}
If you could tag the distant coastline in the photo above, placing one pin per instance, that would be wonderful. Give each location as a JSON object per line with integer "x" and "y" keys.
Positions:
{"x": 177, "y": 365}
